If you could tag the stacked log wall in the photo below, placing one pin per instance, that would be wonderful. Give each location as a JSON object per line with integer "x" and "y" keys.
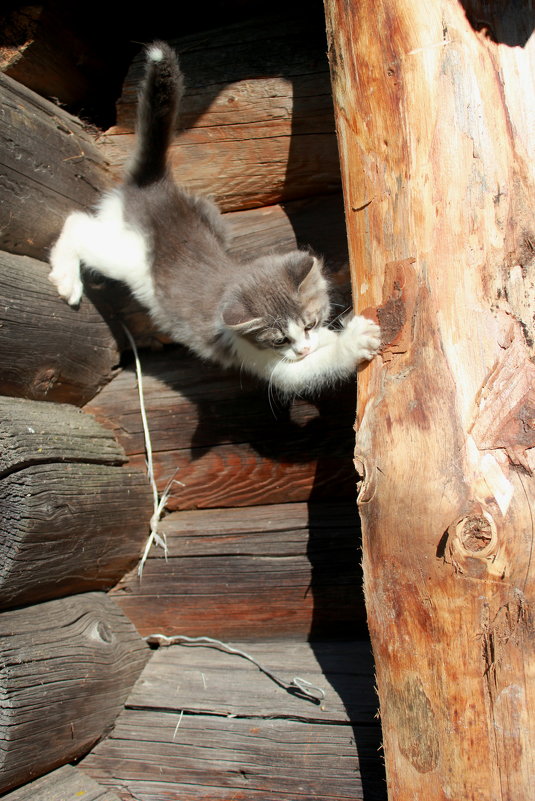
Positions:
{"x": 73, "y": 514}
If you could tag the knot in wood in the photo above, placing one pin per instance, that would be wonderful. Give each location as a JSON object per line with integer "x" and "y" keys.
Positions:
{"x": 44, "y": 381}
{"x": 473, "y": 547}
{"x": 475, "y": 533}
{"x": 103, "y": 632}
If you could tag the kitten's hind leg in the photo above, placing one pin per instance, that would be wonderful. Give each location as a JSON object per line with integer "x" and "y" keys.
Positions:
{"x": 65, "y": 258}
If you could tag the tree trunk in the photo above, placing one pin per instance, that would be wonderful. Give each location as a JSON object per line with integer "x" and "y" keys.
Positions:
{"x": 436, "y": 130}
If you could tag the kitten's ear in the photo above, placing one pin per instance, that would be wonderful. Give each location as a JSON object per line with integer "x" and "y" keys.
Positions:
{"x": 299, "y": 264}
{"x": 236, "y": 317}
{"x": 313, "y": 281}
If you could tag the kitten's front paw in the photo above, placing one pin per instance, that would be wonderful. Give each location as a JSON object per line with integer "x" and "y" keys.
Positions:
{"x": 365, "y": 336}
{"x": 67, "y": 281}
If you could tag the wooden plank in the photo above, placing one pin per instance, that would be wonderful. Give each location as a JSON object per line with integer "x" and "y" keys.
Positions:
{"x": 233, "y": 445}
{"x": 67, "y": 667}
{"x": 275, "y": 574}
{"x": 69, "y": 528}
{"x": 257, "y": 122}
{"x": 202, "y": 724}
{"x": 159, "y": 756}
{"x": 198, "y": 679}
{"x": 48, "y": 166}
{"x": 32, "y": 432}
{"x": 65, "y": 784}
{"x": 48, "y": 350}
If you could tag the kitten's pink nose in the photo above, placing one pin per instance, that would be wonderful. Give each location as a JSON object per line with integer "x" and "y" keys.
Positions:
{"x": 303, "y": 351}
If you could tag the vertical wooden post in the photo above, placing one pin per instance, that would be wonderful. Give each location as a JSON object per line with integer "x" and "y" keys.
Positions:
{"x": 436, "y": 127}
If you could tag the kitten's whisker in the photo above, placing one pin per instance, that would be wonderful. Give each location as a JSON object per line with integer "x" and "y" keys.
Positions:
{"x": 338, "y": 316}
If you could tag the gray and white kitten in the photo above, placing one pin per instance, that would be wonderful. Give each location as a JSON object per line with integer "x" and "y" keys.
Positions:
{"x": 267, "y": 316}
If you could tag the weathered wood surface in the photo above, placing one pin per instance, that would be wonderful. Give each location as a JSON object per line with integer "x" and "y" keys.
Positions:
{"x": 72, "y": 517}
{"x": 34, "y": 433}
{"x": 48, "y": 350}
{"x": 197, "y": 679}
{"x": 257, "y": 124}
{"x": 229, "y": 732}
{"x": 227, "y": 441}
{"x": 67, "y": 668}
{"x": 437, "y": 137}
{"x": 289, "y": 570}
{"x": 69, "y": 528}
{"x": 64, "y": 784}
{"x": 48, "y": 166}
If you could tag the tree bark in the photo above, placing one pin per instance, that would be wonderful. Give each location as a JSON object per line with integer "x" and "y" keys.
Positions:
{"x": 436, "y": 131}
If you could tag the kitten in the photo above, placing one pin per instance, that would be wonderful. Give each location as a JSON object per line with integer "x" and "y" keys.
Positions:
{"x": 267, "y": 316}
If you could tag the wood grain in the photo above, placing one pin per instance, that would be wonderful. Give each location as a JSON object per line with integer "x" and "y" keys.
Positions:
{"x": 48, "y": 350}
{"x": 225, "y": 440}
{"x": 257, "y": 122}
{"x": 48, "y": 167}
{"x": 66, "y": 783}
{"x": 437, "y": 137}
{"x": 290, "y": 570}
{"x": 67, "y": 667}
{"x": 197, "y": 679}
{"x": 246, "y": 737}
{"x": 69, "y": 528}
{"x": 32, "y": 432}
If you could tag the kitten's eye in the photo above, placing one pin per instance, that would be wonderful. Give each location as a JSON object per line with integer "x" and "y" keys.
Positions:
{"x": 310, "y": 326}
{"x": 280, "y": 341}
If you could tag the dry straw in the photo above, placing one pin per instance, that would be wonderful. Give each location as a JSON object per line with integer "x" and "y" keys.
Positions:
{"x": 159, "y": 501}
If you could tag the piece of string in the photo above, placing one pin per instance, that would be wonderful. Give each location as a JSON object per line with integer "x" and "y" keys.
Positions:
{"x": 301, "y": 688}
{"x": 159, "y": 501}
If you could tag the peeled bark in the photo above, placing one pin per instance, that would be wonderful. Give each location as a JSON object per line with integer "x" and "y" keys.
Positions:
{"x": 436, "y": 131}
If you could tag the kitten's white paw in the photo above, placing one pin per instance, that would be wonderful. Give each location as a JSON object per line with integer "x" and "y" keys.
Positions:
{"x": 67, "y": 281}
{"x": 365, "y": 336}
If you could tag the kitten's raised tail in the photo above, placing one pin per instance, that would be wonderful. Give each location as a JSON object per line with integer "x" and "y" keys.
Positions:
{"x": 159, "y": 98}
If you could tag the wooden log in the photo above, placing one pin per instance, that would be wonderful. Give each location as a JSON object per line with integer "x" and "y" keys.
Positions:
{"x": 72, "y": 518}
{"x": 48, "y": 350}
{"x": 264, "y": 572}
{"x": 69, "y": 528}
{"x": 66, "y": 783}
{"x": 225, "y": 440}
{"x": 67, "y": 668}
{"x": 35, "y": 433}
{"x": 229, "y": 732}
{"x": 437, "y": 137}
{"x": 48, "y": 167}
{"x": 257, "y": 124}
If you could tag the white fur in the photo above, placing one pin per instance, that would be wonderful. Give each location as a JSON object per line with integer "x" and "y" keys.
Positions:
{"x": 155, "y": 53}
{"x": 336, "y": 355}
{"x": 104, "y": 242}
